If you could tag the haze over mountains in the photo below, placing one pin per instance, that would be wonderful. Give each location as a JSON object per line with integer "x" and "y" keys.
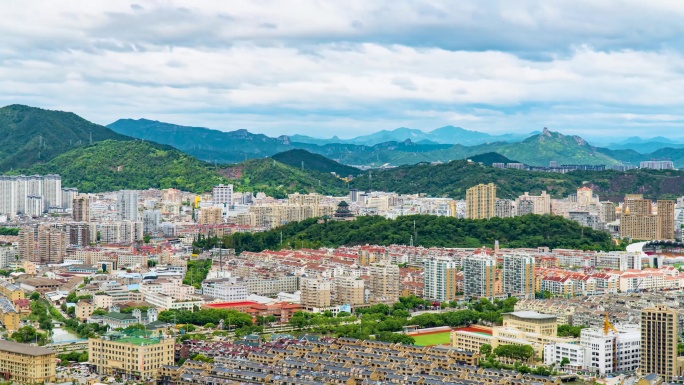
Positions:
{"x": 442, "y": 135}
{"x": 401, "y": 146}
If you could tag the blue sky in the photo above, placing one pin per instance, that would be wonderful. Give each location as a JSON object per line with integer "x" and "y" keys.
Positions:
{"x": 603, "y": 70}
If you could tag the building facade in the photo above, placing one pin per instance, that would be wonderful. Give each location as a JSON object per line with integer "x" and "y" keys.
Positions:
{"x": 27, "y": 364}
{"x": 518, "y": 275}
{"x": 659, "y": 334}
{"x": 480, "y": 201}
{"x": 439, "y": 282}
{"x": 479, "y": 274}
{"x": 130, "y": 357}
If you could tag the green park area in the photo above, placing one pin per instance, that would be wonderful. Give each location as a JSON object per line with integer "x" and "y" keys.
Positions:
{"x": 433, "y": 339}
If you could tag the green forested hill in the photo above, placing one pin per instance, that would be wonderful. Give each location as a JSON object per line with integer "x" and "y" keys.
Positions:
{"x": 32, "y": 135}
{"x": 525, "y": 231}
{"x": 309, "y": 161}
{"x": 277, "y": 179}
{"x": 113, "y": 165}
{"x": 204, "y": 143}
{"x": 454, "y": 178}
{"x": 539, "y": 150}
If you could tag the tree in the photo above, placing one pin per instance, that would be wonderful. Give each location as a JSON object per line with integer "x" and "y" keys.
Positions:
{"x": 564, "y": 362}
{"x": 521, "y": 353}
{"x": 35, "y": 296}
{"x": 570, "y": 331}
{"x": 486, "y": 349}
{"x": 99, "y": 312}
{"x": 71, "y": 310}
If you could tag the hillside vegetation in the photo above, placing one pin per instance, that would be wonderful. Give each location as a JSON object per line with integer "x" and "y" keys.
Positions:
{"x": 454, "y": 178}
{"x": 32, "y": 135}
{"x": 113, "y": 165}
{"x": 525, "y": 231}
{"x": 539, "y": 150}
{"x": 303, "y": 159}
{"x": 277, "y": 179}
{"x": 203, "y": 143}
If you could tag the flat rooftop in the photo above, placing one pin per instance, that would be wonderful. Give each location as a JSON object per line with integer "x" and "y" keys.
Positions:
{"x": 531, "y": 315}
{"x": 138, "y": 340}
{"x": 16, "y": 347}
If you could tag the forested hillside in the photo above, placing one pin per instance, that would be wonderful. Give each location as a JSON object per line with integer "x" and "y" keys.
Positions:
{"x": 305, "y": 160}
{"x": 277, "y": 179}
{"x": 524, "y": 231}
{"x": 454, "y": 178}
{"x": 32, "y": 135}
{"x": 112, "y": 165}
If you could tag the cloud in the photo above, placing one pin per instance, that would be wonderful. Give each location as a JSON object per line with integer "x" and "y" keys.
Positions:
{"x": 347, "y": 68}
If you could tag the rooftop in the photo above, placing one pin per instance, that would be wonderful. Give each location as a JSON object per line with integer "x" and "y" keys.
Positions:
{"x": 531, "y": 314}
{"x": 16, "y": 347}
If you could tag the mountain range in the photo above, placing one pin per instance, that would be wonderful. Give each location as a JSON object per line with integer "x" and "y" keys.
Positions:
{"x": 114, "y": 161}
{"x": 442, "y": 135}
{"x": 416, "y": 147}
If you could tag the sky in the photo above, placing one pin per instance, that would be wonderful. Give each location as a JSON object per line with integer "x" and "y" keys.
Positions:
{"x": 600, "y": 69}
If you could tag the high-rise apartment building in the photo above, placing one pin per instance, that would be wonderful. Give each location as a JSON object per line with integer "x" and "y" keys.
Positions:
{"x": 635, "y": 204}
{"x": 541, "y": 204}
{"x": 638, "y": 221}
{"x": 120, "y": 232}
{"x": 78, "y": 233}
{"x": 52, "y": 244}
{"x": 666, "y": 214}
{"x": 659, "y": 337}
{"x": 479, "y": 274}
{"x": 68, "y": 195}
{"x": 211, "y": 215}
{"x": 315, "y": 293}
{"x": 585, "y": 198}
{"x": 151, "y": 220}
{"x": 52, "y": 191}
{"x": 80, "y": 208}
{"x": 657, "y": 164}
{"x": 15, "y": 191}
{"x": 518, "y": 275}
{"x": 384, "y": 282}
{"x": 439, "y": 283}
{"x": 127, "y": 205}
{"x": 27, "y": 244}
{"x": 504, "y": 208}
{"x": 480, "y": 201}
{"x": 304, "y": 199}
{"x": 349, "y": 290}
{"x": 223, "y": 195}
{"x": 608, "y": 212}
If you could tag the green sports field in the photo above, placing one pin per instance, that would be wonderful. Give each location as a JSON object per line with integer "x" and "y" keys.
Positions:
{"x": 433, "y": 339}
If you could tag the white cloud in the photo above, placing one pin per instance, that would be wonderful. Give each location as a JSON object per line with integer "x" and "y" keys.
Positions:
{"x": 351, "y": 67}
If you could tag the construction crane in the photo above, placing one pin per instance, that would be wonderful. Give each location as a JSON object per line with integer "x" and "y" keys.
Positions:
{"x": 607, "y": 326}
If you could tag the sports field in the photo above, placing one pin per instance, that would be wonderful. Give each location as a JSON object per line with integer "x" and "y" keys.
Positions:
{"x": 432, "y": 339}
